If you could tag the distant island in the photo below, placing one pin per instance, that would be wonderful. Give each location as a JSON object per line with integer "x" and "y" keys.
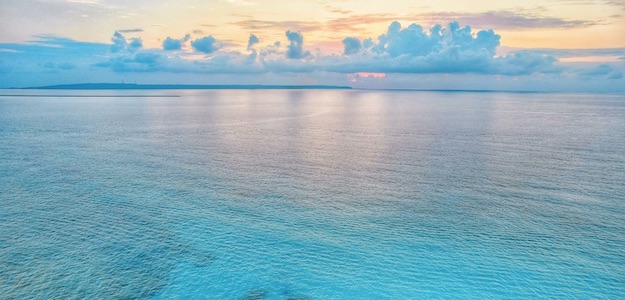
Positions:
{"x": 132, "y": 86}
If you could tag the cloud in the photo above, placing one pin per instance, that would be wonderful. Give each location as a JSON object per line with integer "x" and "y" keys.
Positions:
{"x": 206, "y": 44}
{"x": 399, "y": 51}
{"x": 295, "y": 49}
{"x": 337, "y": 10}
{"x": 146, "y": 58}
{"x": 120, "y": 43}
{"x": 8, "y": 50}
{"x": 60, "y": 66}
{"x": 452, "y": 49}
{"x": 510, "y": 20}
{"x": 135, "y": 43}
{"x": 240, "y": 2}
{"x": 252, "y": 41}
{"x": 525, "y": 63}
{"x": 261, "y": 25}
{"x": 601, "y": 71}
{"x": 413, "y": 50}
{"x": 94, "y": 2}
{"x": 616, "y": 75}
{"x": 171, "y": 44}
{"x": 500, "y": 19}
{"x": 562, "y": 53}
{"x": 351, "y": 45}
{"x": 134, "y": 30}
{"x": 143, "y": 61}
{"x": 50, "y": 57}
{"x": 66, "y": 66}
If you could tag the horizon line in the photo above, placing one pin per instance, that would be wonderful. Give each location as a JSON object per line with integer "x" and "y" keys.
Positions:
{"x": 136, "y": 86}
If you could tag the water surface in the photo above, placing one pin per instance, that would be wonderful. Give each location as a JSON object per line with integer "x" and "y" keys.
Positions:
{"x": 286, "y": 194}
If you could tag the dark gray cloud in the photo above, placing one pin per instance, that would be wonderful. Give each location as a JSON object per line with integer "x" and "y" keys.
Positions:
{"x": 134, "y": 30}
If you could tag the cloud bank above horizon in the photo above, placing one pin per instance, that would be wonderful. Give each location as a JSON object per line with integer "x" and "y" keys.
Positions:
{"x": 448, "y": 56}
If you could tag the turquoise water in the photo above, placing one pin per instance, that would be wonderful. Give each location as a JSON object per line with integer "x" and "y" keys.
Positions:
{"x": 278, "y": 194}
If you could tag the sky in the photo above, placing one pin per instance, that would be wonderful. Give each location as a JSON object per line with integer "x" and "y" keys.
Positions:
{"x": 546, "y": 45}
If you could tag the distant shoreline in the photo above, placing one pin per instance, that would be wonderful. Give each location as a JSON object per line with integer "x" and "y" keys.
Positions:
{"x": 132, "y": 86}
{"x": 164, "y": 87}
{"x": 88, "y": 96}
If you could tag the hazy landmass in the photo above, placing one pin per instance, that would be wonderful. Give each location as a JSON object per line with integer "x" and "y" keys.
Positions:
{"x": 132, "y": 86}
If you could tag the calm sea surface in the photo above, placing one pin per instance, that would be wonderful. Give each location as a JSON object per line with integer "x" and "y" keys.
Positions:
{"x": 311, "y": 194}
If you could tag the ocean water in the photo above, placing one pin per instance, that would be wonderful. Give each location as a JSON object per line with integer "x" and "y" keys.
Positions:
{"x": 311, "y": 194}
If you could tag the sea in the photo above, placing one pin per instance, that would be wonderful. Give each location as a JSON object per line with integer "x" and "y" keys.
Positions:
{"x": 311, "y": 194}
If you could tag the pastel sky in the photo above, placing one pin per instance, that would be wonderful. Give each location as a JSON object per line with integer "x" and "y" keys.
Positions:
{"x": 546, "y": 45}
